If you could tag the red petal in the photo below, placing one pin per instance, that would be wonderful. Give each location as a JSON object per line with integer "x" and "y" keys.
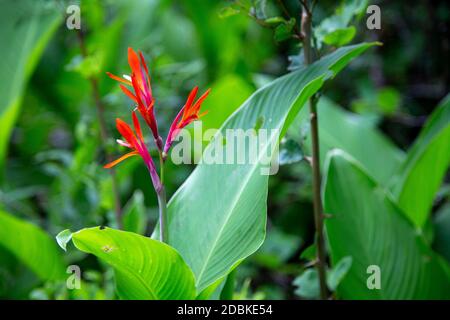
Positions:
{"x": 135, "y": 66}
{"x": 137, "y": 127}
{"x": 126, "y": 132}
{"x": 200, "y": 100}
{"x": 191, "y": 97}
{"x": 146, "y": 71}
{"x": 118, "y": 78}
{"x": 125, "y": 156}
{"x": 129, "y": 93}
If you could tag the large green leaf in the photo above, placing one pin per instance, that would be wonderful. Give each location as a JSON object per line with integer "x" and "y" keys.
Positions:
{"x": 31, "y": 245}
{"x": 350, "y": 132}
{"x": 144, "y": 268}
{"x": 218, "y": 216}
{"x": 368, "y": 226}
{"x": 427, "y": 162}
{"x": 25, "y": 28}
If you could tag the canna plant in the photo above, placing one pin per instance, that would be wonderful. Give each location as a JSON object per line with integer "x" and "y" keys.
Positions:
{"x": 378, "y": 199}
{"x": 143, "y": 99}
{"x": 217, "y": 218}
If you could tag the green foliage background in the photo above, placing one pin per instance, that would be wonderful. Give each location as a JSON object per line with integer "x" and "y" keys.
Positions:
{"x": 386, "y": 111}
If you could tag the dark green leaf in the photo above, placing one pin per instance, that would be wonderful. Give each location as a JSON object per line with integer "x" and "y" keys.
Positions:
{"x": 427, "y": 162}
{"x": 368, "y": 226}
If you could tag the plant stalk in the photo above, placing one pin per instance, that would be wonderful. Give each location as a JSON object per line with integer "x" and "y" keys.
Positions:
{"x": 163, "y": 227}
{"x": 315, "y": 161}
{"x": 162, "y": 204}
{"x": 103, "y": 132}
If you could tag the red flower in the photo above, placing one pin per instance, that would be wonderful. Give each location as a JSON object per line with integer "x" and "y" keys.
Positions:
{"x": 135, "y": 142}
{"x": 142, "y": 96}
{"x": 187, "y": 114}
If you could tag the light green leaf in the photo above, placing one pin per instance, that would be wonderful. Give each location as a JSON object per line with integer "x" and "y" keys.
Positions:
{"x": 25, "y": 29}
{"x": 284, "y": 30}
{"x": 388, "y": 99}
{"x": 63, "y": 238}
{"x": 228, "y": 11}
{"x": 335, "y": 275}
{"x": 368, "y": 226}
{"x": 220, "y": 208}
{"x": 31, "y": 245}
{"x": 340, "y": 37}
{"x": 290, "y": 152}
{"x": 425, "y": 166}
{"x": 307, "y": 284}
{"x": 144, "y": 268}
{"x": 275, "y": 20}
{"x": 335, "y": 30}
{"x": 310, "y": 253}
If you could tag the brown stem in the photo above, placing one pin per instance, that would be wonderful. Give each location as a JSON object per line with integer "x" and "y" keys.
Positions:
{"x": 103, "y": 131}
{"x": 317, "y": 202}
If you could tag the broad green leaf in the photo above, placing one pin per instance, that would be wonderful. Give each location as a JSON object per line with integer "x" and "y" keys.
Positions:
{"x": 350, "y": 132}
{"x": 220, "y": 208}
{"x": 425, "y": 166}
{"x": 368, "y": 226}
{"x": 212, "y": 292}
{"x": 31, "y": 245}
{"x": 144, "y": 268}
{"x": 25, "y": 28}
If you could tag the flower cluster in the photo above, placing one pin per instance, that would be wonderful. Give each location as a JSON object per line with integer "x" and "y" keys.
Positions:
{"x": 137, "y": 87}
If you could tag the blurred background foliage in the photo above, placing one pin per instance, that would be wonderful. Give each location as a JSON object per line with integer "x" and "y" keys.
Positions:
{"x": 51, "y": 151}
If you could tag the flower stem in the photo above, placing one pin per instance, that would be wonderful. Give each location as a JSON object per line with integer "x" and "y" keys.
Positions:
{"x": 317, "y": 203}
{"x": 163, "y": 226}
